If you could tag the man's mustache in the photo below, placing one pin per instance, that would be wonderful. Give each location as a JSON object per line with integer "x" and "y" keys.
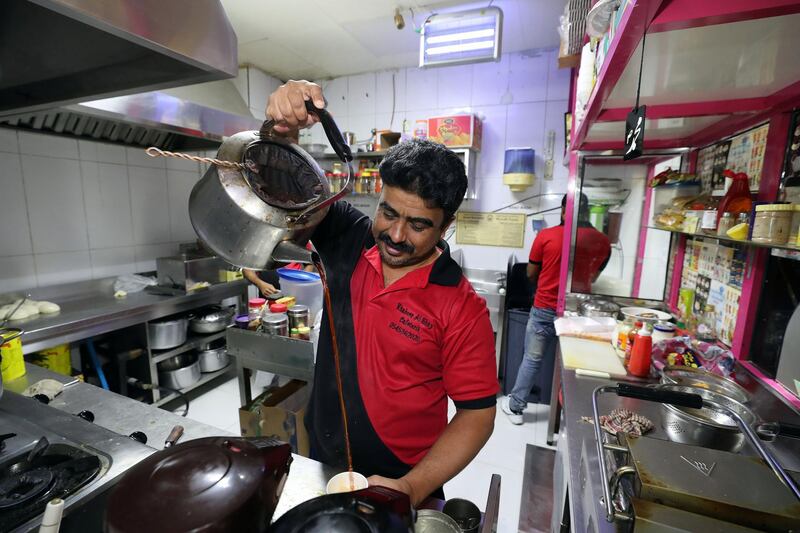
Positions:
{"x": 402, "y": 246}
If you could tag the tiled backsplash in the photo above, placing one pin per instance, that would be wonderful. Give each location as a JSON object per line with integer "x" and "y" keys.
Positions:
{"x": 74, "y": 210}
{"x": 519, "y": 98}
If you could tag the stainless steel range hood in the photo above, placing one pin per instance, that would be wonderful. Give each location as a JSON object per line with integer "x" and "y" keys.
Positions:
{"x": 196, "y": 117}
{"x": 56, "y": 53}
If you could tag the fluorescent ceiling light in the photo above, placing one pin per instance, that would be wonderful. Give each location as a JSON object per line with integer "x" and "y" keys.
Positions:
{"x": 463, "y": 36}
{"x": 461, "y": 47}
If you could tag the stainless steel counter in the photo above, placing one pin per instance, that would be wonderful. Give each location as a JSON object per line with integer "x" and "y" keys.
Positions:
{"x": 89, "y": 308}
{"x": 576, "y": 442}
{"x": 122, "y": 415}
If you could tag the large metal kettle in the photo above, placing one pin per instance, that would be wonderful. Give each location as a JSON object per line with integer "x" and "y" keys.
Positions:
{"x": 263, "y": 208}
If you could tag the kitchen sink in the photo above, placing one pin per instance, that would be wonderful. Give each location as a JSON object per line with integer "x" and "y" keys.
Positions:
{"x": 491, "y": 286}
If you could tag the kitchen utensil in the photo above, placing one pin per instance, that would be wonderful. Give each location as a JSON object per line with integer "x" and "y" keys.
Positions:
{"x": 213, "y": 359}
{"x": 703, "y": 379}
{"x": 598, "y": 308}
{"x": 179, "y": 372}
{"x": 464, "y": 512}
{"x": 173, "y": 436}
{"x": 678, "y": 398}
{"x": 605, "y": 375}
{"x": 265, "y": 211}
{"x": 430, "y": 521}
{"x": 644, "y": 314}
{"x": 346, "y": 482}
{"x": 208, "y": 484}
{"x": 51, "y": 520}
{"x": 211, "y": 319}
{"x": 706, "y": 427}
{"x": 167, "y": 333}
{"x": 370, "y": 510}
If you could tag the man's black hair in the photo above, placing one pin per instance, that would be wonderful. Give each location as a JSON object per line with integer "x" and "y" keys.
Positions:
{"x": 583, "y": 208}
{"x": 430, "y": 171}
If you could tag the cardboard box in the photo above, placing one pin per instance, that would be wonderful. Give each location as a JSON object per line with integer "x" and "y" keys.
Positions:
{"x": 279, "y": 413}
{"x": 456, "y": 131}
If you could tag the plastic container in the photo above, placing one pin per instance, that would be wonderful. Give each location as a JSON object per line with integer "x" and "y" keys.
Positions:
{"x": 639, "y": 364}
{"x": 632, "y": 334}
{"x": 737, "y": 200}
{"x": 773, "y": 223}
{"x": 277, "y": 308}
{"x": 306, "y": 287}
{"x": 254, "y": 307}
{"x": 663, "y": 331}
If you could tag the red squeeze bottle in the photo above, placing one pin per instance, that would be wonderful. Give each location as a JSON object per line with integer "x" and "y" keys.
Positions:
{"x": 632, "y": 334}
{"x": 640, "y": 358}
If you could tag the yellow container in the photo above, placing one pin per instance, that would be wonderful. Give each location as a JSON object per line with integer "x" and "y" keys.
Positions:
{"x": 55, "y": 359}
{"x": 13, "y": 363}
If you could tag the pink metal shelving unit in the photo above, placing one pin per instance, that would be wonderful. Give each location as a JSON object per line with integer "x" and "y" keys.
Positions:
{"x": 712, "y": 68}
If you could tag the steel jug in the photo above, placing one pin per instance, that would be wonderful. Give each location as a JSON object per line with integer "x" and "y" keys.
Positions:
{"x": 264, "y": 209}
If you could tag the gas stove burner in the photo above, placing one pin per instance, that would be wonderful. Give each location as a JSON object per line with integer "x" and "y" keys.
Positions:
{"x": 28, "y": 483}
{"x": 20, "y": 489}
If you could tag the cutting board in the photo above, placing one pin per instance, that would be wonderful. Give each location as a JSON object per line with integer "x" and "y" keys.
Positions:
{"x": 590, "y": 355}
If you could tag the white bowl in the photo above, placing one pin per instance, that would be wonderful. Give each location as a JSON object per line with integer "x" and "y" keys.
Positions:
{"x": 637, "y": 312}
{"x": 346, "y": 482}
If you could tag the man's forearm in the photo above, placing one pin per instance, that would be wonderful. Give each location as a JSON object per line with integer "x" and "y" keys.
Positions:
{"x": 460, "y": 442}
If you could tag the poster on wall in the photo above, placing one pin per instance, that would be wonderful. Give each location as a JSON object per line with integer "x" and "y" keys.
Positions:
{"x": 705, "y": 167}
{"x": 719, "y": 165}
{"x": 757, "y": 148}
{"x": 491, "y": 229}
{"x": 739, "y": 153}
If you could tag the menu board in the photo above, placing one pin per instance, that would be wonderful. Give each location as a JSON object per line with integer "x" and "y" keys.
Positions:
{"x": 491, "y": 229}
{"x": 740, "y": 153}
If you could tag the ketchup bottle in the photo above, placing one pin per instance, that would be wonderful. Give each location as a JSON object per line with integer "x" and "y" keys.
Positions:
{"x": 632, "y": 334}
{"x": 639, "y": 364}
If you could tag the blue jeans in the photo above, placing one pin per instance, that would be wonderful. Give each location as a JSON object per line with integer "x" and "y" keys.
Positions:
{"x": 540, "y": 337}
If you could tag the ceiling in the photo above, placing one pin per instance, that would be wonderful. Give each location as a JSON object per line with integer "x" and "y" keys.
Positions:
{"x": 317, "y": 39}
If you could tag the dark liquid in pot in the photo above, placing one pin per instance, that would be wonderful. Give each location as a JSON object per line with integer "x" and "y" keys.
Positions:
{"x": 329, "y": 311}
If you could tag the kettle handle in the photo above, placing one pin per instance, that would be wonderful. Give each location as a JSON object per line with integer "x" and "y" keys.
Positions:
{"x": 332, "y": 131}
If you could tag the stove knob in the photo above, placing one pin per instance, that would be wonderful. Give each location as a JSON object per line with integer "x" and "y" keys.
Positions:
{"x": 42, "y": 398}
{"x": 138, "y": 436}
{"x": 86, "y": 415}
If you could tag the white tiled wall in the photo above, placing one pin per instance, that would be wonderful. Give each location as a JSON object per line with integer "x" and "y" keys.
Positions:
{"x": 519, "y": 99}
{"x": 75, "y": 210}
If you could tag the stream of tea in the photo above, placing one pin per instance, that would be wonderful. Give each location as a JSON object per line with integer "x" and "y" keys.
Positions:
{"x": 329, "y": 309}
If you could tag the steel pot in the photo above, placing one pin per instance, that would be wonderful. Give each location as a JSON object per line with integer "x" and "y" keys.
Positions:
{"x": 430, "y": 521}
{"x": 253, "y": 215}
{"x": 702, "y": 379}
{"x": 208, "y": 484}
{"x": 213, "y": 359}
{"x": 179, "y": 372}
{"x": 167, "y": 333}
{"x": 211, "y": 319}
{"x": 598, "y": 308}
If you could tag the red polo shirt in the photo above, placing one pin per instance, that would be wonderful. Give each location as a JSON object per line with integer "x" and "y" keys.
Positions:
{"x": 418, "y": 342}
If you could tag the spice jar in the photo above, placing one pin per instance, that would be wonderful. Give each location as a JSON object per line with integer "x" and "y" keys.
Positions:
{"x": 278, "y": 308}
{"x": 298, "y": 316}
{"x": 663, "y": 331}
{"x": 275, "y": 324}
{"x": 772, "y": 223}
{"x": 725, "y": 223}
{"x": 254, "y": 307}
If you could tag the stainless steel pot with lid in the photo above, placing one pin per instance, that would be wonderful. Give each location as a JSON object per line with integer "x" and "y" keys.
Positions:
{"x": 598, "y": 308}
{"x": 265, "y": 210}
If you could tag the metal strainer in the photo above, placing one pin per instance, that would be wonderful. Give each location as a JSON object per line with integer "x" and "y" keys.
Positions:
{"x": 710, "y": 426}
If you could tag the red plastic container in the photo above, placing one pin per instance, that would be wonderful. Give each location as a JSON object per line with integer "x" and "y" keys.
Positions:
{"x": 737, "y": 199}
{"x": 640, "y": 358}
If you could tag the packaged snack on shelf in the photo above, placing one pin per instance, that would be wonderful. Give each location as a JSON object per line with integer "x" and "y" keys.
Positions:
{"x": 684, "y": 351}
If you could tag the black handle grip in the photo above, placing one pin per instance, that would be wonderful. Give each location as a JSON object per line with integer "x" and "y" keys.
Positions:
{"x": 787, "y": 430}
{"x": 680, "y": 399}
{"x": 332, "y": 131}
